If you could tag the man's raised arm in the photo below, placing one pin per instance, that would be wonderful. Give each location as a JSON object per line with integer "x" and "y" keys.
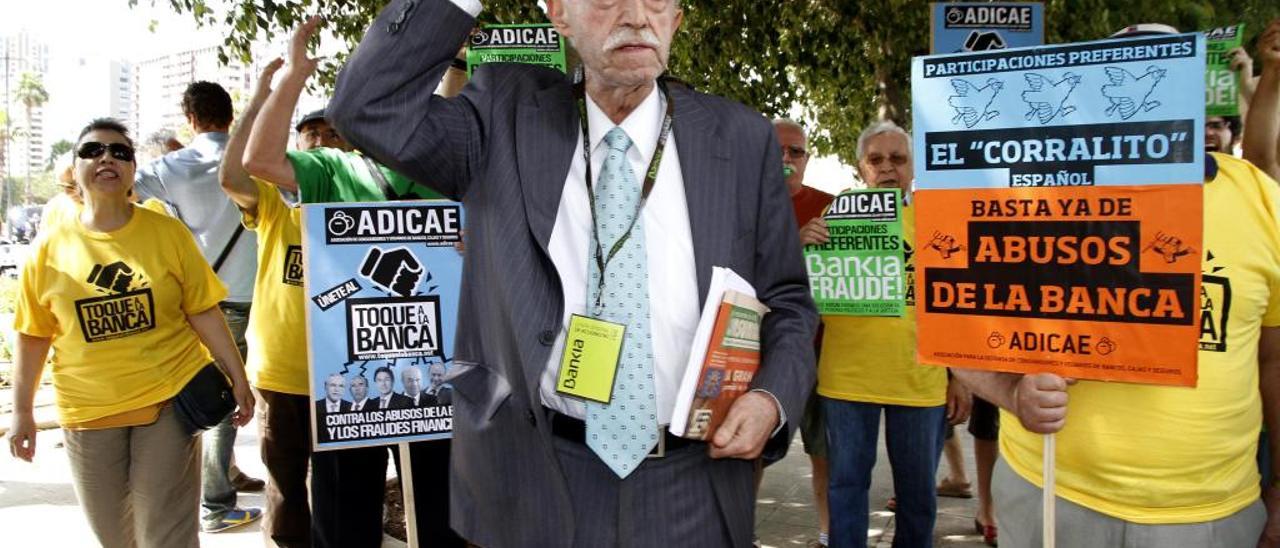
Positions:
{"x": 231, "y": 173}
{"x": 384, "y": 103}
{"x": 1262, "y": 126}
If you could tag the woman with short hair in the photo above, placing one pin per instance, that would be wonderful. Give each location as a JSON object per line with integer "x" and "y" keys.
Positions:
{"x": 129, "y": 306}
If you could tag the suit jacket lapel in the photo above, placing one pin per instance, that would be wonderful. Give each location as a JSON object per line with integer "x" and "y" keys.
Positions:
{"x": 704, "y": 163}
{"x": 546, "y": 137}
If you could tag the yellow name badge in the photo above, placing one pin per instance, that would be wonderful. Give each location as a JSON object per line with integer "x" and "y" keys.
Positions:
{"x": 590, "y": 361}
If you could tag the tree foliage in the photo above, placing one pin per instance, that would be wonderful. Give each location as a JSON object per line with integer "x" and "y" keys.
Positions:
{"x": 839, "y": 64}
{"x": 59, "y": 149}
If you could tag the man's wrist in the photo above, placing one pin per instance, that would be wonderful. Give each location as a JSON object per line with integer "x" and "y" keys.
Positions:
{"x": 777, "y": 406}
{"x": 295, "y": 75}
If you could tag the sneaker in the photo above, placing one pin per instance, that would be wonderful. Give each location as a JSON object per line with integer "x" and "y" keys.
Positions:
{"x": 233, "y": 519}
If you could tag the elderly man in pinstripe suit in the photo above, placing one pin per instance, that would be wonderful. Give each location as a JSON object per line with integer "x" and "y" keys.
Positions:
{"x": 611, "y": 196}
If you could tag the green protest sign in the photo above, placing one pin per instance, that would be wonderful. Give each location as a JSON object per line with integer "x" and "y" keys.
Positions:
{"x": 860, "y": 270}
{"x": 1221, "y": 84}
{"x": 532, "y": 44}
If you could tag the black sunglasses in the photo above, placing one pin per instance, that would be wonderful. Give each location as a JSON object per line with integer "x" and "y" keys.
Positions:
{"x": 94, "y": 149}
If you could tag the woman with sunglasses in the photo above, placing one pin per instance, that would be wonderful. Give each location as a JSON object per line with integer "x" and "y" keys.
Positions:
{"x": 129, "y": 306}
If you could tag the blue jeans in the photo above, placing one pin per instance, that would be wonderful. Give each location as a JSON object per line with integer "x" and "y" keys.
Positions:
{"x": 218, "y": 495}
{"x": 913, "y": 437}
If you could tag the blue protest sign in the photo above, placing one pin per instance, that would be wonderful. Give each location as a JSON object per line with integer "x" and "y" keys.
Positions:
{"x": 979, "y": 26}
{"x": 1113, "y": 112}
{"x": 382, "y": 285}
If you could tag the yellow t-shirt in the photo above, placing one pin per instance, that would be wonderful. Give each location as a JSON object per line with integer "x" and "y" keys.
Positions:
{"x": 277, "y": 334}
{"x": 1153, "y": 454}
{"x": 873, "y": 359}
{"x": 115, "y": 306}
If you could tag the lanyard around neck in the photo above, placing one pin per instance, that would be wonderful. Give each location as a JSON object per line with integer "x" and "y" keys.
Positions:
{"x": 650, "y": 177}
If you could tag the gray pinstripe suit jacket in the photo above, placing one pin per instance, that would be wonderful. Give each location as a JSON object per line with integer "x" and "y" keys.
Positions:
{"x": 504, "y": 148}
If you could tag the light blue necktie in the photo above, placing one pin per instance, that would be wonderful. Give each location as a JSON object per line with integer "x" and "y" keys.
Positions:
{"x": 626, "y": 429}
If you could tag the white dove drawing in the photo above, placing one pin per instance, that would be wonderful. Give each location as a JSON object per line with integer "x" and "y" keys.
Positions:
{"x": 1048, "y": 99}
{"x": 1131, "y": 94}
{"x": 972, "y": 103}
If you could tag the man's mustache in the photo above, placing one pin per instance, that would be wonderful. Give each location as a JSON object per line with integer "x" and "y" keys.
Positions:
{"x": 630, "y": 36}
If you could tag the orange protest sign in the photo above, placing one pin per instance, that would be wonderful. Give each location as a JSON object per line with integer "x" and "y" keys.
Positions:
{"x": 1092, "y": 283}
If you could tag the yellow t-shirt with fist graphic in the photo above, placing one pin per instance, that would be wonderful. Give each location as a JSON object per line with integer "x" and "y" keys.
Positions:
{"x": 1172, "y": 454}
{"x": 115, "y": 305}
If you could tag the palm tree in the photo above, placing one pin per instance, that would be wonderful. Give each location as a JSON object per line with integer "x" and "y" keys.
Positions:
{"x": 32, "y": 95}
{"x": 4, "y": 141}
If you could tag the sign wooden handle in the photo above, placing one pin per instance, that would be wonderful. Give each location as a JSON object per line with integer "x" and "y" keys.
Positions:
{"x": 406, "y": 489}
{"x": 1050, "y": 532}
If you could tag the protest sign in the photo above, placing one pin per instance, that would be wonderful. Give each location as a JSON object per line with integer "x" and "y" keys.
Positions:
{"x": 1075, "y": 281}
{"x": 532, "y": 44}
{"x": 382, "y": 283}
{"x": 860, "y": 271}
{"x": 1114, "y": 112}
{"x": 1222, "y": 85}
{"x": 978, "y": 26}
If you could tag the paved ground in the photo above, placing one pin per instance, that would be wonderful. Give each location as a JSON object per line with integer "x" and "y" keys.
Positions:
{"x": 785, "y": 516}
{"x": 38, "y": 505}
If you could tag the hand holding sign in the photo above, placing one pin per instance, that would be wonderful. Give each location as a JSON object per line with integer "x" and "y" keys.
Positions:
{"x": 814, "y": 232}
{"x": 1241, "y": 62}
{"x": 1040, "y": 401}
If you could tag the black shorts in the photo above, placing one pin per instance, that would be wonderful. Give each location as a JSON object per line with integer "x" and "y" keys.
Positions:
{"x": 984, "y": 420}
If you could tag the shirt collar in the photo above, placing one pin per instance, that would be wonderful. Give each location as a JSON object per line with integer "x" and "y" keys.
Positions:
{"x": 211, "y": 137}
{"x": 642, "y": 125}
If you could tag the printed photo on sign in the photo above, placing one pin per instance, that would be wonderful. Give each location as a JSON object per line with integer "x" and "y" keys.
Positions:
{"x": 125, "y": 308}
{"x": 1097, "y": 284}
{"x": 860, "y": 271}
{"x": 1107, "y": 113}
{"x": 979, "y": 26}
{"x": 382, "y": 280}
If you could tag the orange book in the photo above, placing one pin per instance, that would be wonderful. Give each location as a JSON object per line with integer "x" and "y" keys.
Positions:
{"x": 731, "y": 361}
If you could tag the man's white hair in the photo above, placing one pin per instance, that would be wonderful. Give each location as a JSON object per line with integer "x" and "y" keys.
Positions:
{"x": 791, "y": 123}
{"x": 880, "y": 128}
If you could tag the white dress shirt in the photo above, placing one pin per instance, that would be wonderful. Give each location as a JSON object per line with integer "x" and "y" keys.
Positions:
{"x": 673, "y": 278}
{"x": 333, "y": 406}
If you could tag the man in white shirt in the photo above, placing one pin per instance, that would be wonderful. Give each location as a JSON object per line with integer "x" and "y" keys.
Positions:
{"x": 187, "y": 181}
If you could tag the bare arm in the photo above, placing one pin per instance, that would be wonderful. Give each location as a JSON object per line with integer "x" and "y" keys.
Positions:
{"x": 232, "y": 174}
{"x": 27, "y": 368}
{"x": 1263, "y": 122}
{"x": 265, "y": 156}
{"x": 211, "y": 327}
{"x": 1269, "y": 384}
{"x": 1039, "y": 400}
